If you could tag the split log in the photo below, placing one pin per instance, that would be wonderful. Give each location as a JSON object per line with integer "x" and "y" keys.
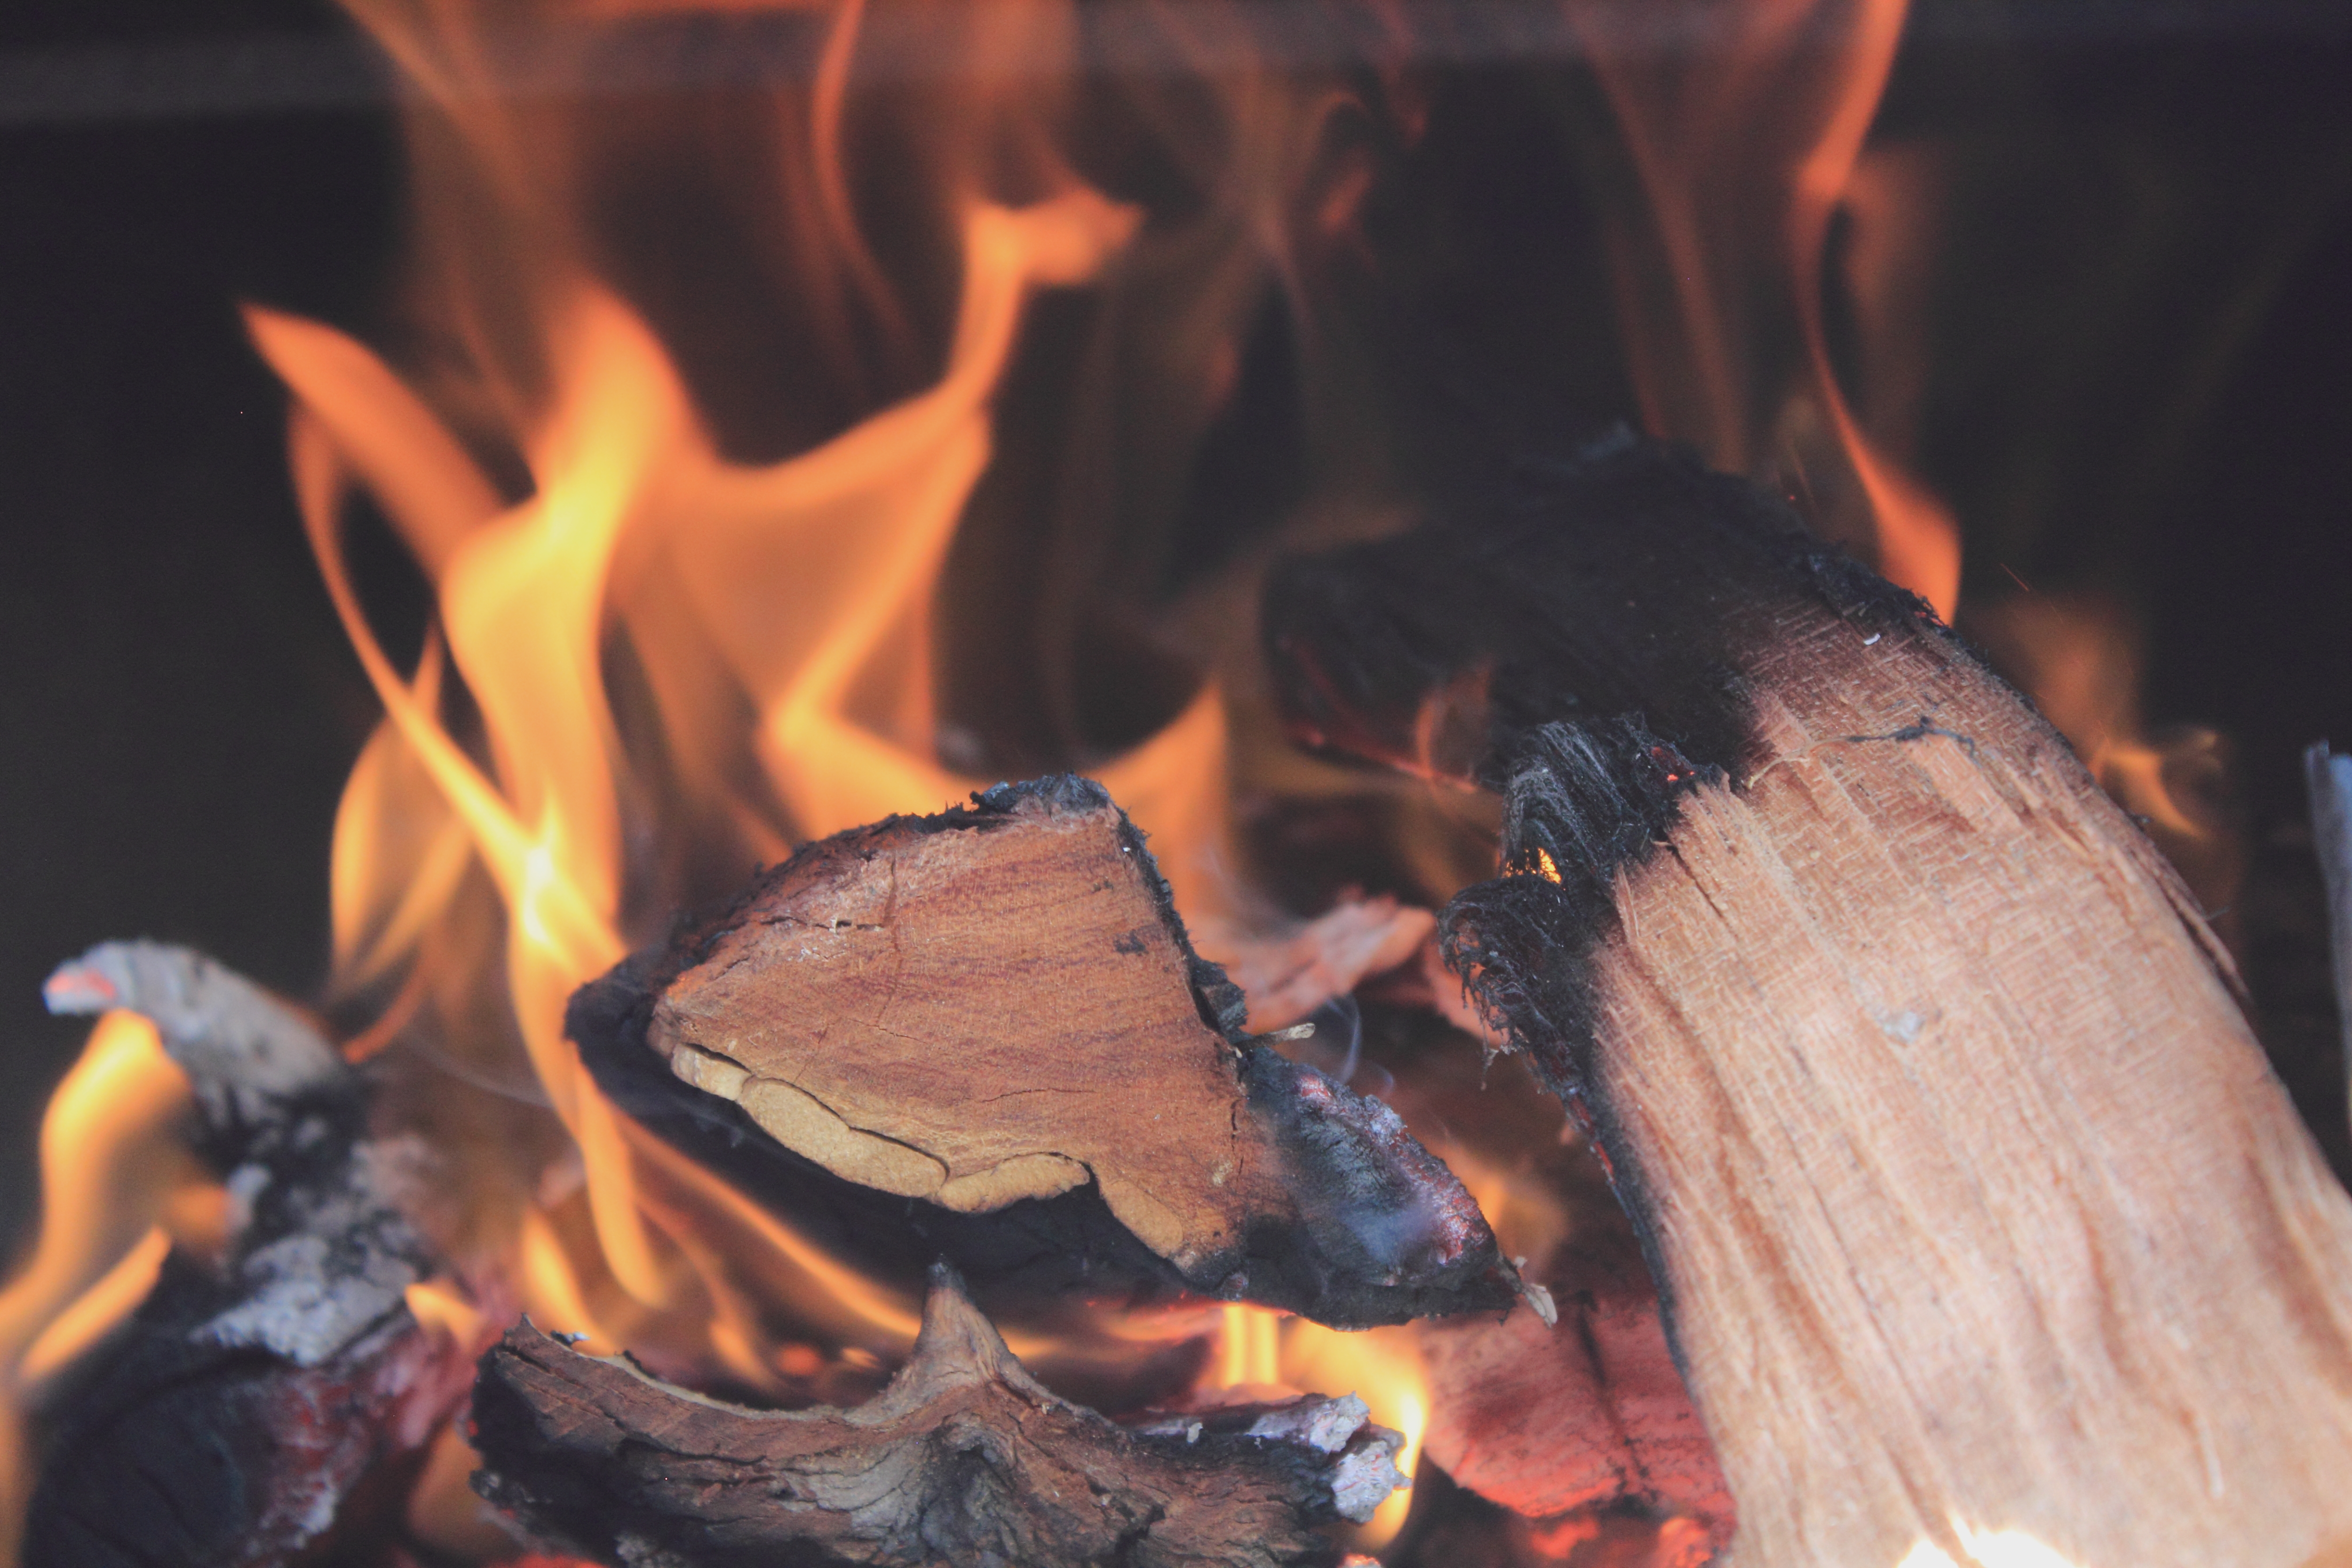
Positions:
{"x": 264, "y": 1406}
{"x": 963, "y": 1458}
{"x": 1974, "y": 1206}
{"x": 997, "y": 1012}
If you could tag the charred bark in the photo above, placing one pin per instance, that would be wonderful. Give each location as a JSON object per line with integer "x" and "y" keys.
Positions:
{"x": 962, "y": 1459}
{"x": 260, "y": 1406}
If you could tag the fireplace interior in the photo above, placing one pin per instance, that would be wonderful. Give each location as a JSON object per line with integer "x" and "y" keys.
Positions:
{"x": 2079, "y": 293}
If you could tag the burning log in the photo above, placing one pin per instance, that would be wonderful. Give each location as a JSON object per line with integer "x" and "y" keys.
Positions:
{"x": 996, "y": 1012}
{"x": 1973, "y": 1204}
{"x": 1580, "y": 1421}
{"x": 963, "y": 1458}
{"x": 258, "y": 1406}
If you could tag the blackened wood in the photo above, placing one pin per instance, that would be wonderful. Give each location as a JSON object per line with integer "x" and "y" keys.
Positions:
{"x": 1975, "y": 1210}
{"x": 259, "y": 1406}
{"x": 996, "y": 1011}
{"x": 962, "y": 1459}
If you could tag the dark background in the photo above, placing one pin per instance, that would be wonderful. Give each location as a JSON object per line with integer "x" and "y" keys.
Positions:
{"x": 2143, "y": 383}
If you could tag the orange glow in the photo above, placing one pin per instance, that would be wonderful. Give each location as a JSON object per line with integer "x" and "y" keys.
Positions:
{"x": 1267, "y": 1354}
{"x": 97, "y": 1309}
{"x": 110, "y": 1164}
{"x": 1744, "y": 153}
{"x": 438, "y": 1305}
{"x": 1383, "y": 1366}
{"x": 552, "y": 1297}
{"x": 110, "y": 1160}
{"x": 776, "y": 615}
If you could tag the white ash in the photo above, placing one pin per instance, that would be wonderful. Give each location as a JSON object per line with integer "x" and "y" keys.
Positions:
{"x": 1323, "y": 1425}
{"x": 245, "y": 1052}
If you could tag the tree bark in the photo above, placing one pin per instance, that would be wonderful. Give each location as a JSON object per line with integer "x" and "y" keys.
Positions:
{"x": 962, "y": 1459}
{"x": 1973, "y": 1204}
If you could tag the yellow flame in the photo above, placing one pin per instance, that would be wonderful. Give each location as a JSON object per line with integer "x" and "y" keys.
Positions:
{"x": 799, "y": 580}
{"x": 440, "y": 1305}
{"x": 109, "y": 1160}
{"x": 1263, "y": 1351}
{"x": 1382, "y": 1365}
{"x": 97, "y": 1309}
{"x": 1249, "y": 1347}
{"x": 109, "y": 1163}
{"x": 1743, "y": 152}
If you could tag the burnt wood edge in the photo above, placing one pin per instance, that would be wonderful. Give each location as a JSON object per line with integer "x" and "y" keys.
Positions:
{"x": 1589, "y": 595}
{"x": 253, "y": 1407}
{"x": 962, "y": 1457}
{"x": 1337, "y": 1144}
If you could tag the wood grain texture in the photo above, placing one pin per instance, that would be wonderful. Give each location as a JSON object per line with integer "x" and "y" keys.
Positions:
{"x": 994, "y": 1008}
{"x": 1976, "y": 1203}
{"x": 975, "y": 1015}
{"x": 1973, "y": 1204}
{"x": 962, "y": 1459}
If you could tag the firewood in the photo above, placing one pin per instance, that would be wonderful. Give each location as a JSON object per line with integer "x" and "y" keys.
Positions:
{"x": 963, "y": 1458}
{"x": 1584, "y": 1420}
{"x": 1287, "y": 976}
{"x": 261, "y": 1406}
{"x": 996, "y": 1012}
{"x": 1977, "y": 1214}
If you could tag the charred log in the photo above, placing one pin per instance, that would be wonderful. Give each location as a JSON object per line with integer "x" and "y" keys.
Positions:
{"x": 259, "y": 1406}
{"x": 963, "y": 1458}
{"x": 996, "y": 1013}
{"x": 1971, "y": 1200}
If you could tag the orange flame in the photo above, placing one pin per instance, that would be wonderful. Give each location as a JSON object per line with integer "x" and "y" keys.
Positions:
{"x": 1743, "y": 153}
{"x": 778, "y": 613}
{"x": 110, "y": 1164}
{"x": 1265, "y": 1353}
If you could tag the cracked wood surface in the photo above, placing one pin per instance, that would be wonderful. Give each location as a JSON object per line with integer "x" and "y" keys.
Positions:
{"x": 998, "y": 1006}
{"x": 918, "y": 1011}
{"x": 963, "y": 1458}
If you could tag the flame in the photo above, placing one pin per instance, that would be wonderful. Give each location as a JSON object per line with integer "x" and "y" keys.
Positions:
{"x": 1264, "y": 1353}
{"x": 1744, "y": 154}
{"x": 2079, "y": 656}
{"x": 110, "y": 1162}
{"x": 110, "y": 1166}
{"x": 776, "y": 614}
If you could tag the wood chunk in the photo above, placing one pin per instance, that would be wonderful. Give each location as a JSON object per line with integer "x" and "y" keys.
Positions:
{"x": 963, "y": 1458}
{"x": 1973, "y": 1202}
{"x": 996, "y": 1007}
{"x": 1286, "y": 978}
{"x": 1584, "y": 1419}
{"x": 262, "y": 1408}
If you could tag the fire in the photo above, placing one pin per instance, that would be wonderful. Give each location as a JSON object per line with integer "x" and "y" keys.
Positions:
{"x": 1744, "y": 153}
{"x": 1261, "y": 1353}
{"x": 116, "y": 1186}
{"x": 797, "y": 594}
